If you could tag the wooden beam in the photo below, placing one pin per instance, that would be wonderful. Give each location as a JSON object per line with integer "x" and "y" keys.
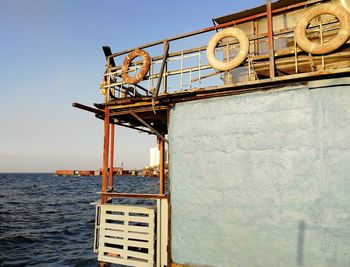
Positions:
{"x": 87, "y": 108}
{"x": 145, "y": 108}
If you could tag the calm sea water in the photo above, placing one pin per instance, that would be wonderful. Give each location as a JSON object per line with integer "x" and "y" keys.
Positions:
{"x": 47, "y": 220}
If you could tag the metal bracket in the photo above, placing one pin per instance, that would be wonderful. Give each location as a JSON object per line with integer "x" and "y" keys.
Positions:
{"x": 154, "y": 131}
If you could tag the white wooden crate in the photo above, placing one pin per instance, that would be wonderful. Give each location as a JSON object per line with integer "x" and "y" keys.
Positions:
{"x": 126, "y": 235}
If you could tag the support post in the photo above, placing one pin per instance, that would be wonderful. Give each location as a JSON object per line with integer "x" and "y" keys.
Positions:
{"x": 110, "y": 61}
{"x": 270, "y": 38}
{"x": 162, "y": 68}
{"x": 108, "y": 52}
{"x": 161, "y": 165}
{"x": 111, "y": 159}
{"x": 105, "y": 155}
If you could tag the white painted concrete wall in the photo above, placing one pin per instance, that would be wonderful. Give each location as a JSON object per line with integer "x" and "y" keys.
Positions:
{"x": 262, "y": 179}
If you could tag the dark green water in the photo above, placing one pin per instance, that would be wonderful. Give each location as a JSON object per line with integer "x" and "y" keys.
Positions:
{"x": 47, "y": 220}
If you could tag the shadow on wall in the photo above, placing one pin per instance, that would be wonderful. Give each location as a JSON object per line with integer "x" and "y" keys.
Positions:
{"x": 301, "y": 243}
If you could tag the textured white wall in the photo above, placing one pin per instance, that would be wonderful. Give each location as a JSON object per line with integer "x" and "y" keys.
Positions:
{"x": 262, "y": 179}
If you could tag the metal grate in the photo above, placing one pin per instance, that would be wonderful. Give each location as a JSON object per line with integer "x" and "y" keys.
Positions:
{"x": 127, "y": 235}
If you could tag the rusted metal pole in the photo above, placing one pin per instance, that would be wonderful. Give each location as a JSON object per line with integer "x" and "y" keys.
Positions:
{"x": 270, "y": 38}
{"x": 161, "y": 165}
{"x": 105, "y": 154}
{"x": 111, "y": 159}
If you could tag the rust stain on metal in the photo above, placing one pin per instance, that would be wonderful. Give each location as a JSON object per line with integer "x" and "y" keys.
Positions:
{"x": 161, "y": 166}
{"x": 111, "y": 159}
{"x": 105, "y": 154}
{"x": 270, "y": 38}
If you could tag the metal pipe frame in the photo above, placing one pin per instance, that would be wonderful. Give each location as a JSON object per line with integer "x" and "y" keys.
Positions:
{"x": 313, "y": 27}
{"x": 164, "y": 73}
{"x": 270, "y": 36}
{"x": 169, "y": 73}
{"x": 220, "y": 26}
{"x": 279, "y": 34}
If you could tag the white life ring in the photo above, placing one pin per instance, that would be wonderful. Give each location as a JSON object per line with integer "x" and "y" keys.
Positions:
{"x": 146, "y": 62}
{"x": 241, "y": 55}
{"x": 343, "y": 35}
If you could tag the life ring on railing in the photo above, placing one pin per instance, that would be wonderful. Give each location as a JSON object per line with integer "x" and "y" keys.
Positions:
{"x": 146, "y": 62}
{"x": 241, "y": 55}
{"x": 343, "y": 35}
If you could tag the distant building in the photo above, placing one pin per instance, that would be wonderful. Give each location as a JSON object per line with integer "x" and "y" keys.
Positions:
{"x": 154, "y": 156}
{"x": 75, "y": 173}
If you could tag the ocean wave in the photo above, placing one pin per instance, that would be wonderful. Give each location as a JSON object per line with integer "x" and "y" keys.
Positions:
{"x": 48, "y": 221}
{"x": 17, "y": 239}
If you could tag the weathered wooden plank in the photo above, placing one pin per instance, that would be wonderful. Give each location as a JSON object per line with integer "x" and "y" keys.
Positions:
{"x": 126, "y": 208}
{"x": 140, "y": 229}
{"x": 112, "y": 226}
{"x": 108, "y": 233}
{"x": 141, "y": 236}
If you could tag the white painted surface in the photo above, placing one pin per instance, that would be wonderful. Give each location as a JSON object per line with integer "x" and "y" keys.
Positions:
{"x": 122, "y": 227}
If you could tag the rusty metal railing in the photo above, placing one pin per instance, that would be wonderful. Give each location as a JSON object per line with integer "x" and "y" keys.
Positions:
{"x": 188, "y": 69}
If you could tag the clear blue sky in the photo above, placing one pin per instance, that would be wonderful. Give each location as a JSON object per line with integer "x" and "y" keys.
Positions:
{"x": 51, "y": 56}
